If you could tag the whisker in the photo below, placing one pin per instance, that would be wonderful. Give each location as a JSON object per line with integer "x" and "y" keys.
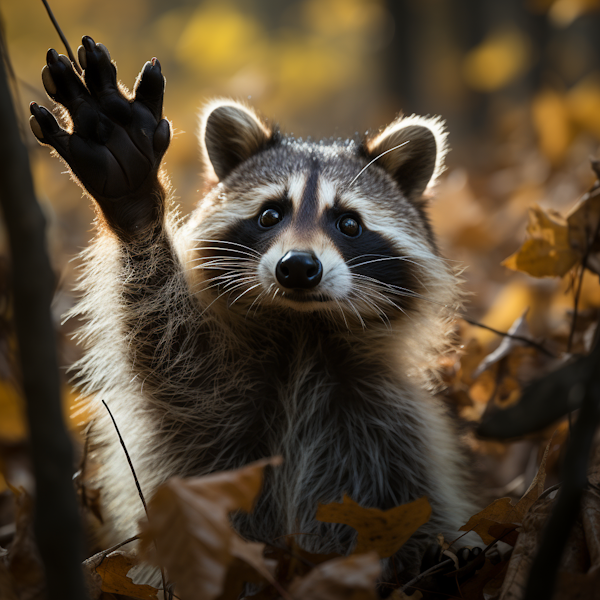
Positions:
{"x": 228, "y": 242}
{"x": 245, "y": 292}
{"x": 376, "y": 158}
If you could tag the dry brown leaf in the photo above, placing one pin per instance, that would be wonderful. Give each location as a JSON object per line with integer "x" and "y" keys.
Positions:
{"x": 574, "y": 560}
{"x": 583, "y": 222}
{"x": 384, "y": 531}
{"x": 347, "y": 578}
{"x": 113, "y": 570}
{"x": 294, "y": 561}
{"x": 24, "y": 562}
{"x": 501, "y": 517}
{"x": 547, "y": 252}
{"x": 190, "y": 518}
{"x": 7, "y": 585}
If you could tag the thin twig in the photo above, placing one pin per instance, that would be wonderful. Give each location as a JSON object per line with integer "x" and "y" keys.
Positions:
{"x": 104, "y": 553}
{"x": 137, "y": 483}
{"x": 62, "y": 37}
{"x": 510, "y": 335}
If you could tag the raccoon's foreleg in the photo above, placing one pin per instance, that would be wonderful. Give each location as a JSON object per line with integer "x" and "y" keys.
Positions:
{"x": 114, "y": 144}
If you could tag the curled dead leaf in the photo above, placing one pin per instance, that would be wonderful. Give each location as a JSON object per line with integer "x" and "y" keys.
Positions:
{"x": 190, "y": 518}
{"x": 548, "y": 251}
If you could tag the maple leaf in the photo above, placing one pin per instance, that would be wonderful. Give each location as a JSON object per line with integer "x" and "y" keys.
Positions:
{"x": 501, "y": 518}
{"x": 190, "y": 518}
{"x": 384, "y": 531}
{"x": 548, "y": 251}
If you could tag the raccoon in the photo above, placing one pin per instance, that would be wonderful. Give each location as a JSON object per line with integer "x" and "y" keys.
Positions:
{"x": 299, "y": 311}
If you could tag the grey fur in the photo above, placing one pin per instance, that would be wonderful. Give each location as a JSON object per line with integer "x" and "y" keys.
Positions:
{"x": 208, "y": 374}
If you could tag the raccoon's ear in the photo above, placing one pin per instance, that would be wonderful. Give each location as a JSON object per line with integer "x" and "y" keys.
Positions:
{"x": 412, "y": 151}
{"x": 230, "y": 133}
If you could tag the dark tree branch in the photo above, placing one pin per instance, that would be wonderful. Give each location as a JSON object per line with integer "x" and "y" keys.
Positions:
{"x": 546, "y": 564}
{"x": 57, "y": 524}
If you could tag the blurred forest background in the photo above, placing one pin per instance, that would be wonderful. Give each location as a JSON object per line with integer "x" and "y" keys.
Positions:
{"x": 517, "y": 81}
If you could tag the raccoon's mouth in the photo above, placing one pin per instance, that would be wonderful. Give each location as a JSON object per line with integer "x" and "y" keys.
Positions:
{"x": 302, "y": 296}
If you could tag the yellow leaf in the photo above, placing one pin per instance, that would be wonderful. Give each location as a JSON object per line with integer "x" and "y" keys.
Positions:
{"x": 113, "y": 570}
{"x": 582, "y": 103}
{"x": 497, "y": 61}
{"x": 548, "y": 252}
{"x": 384, "y": 531}
{"x": 552, "y": 124}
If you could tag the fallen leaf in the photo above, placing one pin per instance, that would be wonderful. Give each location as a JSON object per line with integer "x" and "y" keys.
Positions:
{"x": 113, "y": 570}
{"x": 190, "y": 518}
{"x": 347, "y": 578}
{"x": 548, "y": 252}
{"x": 584, "y": 223}
{"x": 24, "y": 562}
{"x": 502, "y": 517}
{"x": 379, "y": 530}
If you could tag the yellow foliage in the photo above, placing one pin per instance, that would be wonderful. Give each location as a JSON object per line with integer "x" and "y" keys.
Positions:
{"x": 497, "y": 61}
{"x": 334, "y": 17}
{"x": 219, "y": 40}
{"x": 547, "y": 253}
{"x": 583, "y": 101}
{"x": 551, "y": 119}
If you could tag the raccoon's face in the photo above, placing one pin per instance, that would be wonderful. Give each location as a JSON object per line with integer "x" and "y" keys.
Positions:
{"x": 336, "y": 227}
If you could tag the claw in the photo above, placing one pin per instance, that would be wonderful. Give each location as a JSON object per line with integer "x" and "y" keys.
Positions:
{"x": 51, "y": 56}
{"x": 88, "y": 43}
{"x": 48, "y": 81}
{"x": 35, "y": 127}
{"x": 82, "y": 57}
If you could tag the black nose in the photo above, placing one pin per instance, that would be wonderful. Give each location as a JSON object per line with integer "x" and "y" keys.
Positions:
{"x": 299, "y": 270}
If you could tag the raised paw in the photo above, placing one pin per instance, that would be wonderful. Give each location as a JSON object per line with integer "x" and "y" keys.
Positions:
{"x": 113, "y": 144}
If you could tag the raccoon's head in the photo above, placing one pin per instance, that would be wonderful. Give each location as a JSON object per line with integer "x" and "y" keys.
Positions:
{"x": 336, "y": 227}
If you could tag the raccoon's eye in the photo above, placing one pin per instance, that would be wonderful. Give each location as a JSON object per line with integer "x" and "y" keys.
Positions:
{"x": 349, "y": 226}
{"x": 269, "y": 217}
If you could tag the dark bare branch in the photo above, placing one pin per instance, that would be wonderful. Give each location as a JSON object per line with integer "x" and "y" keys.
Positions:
{"x": 57, "y": 524}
